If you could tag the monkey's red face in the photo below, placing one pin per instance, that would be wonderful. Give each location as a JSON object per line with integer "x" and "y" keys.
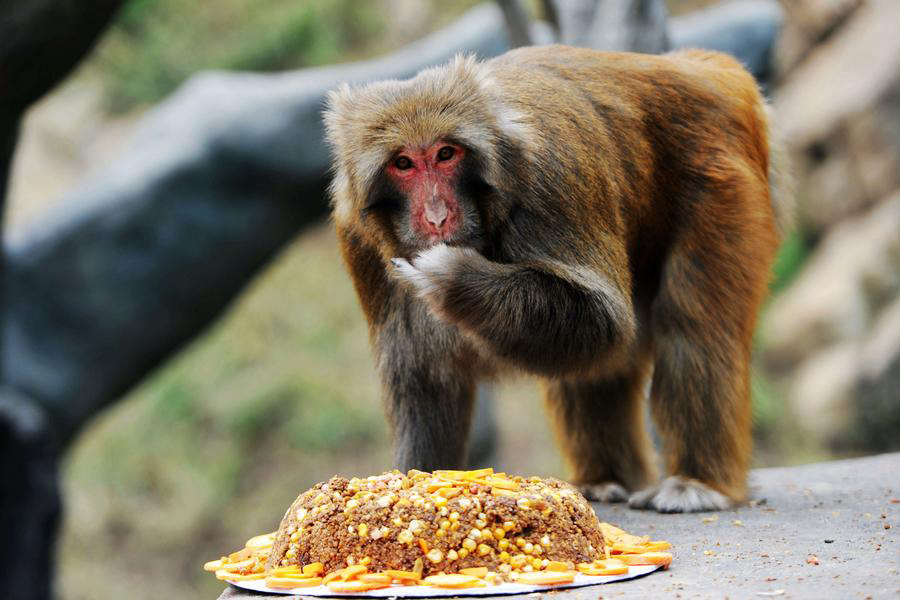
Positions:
{"x": 429, "y": 179}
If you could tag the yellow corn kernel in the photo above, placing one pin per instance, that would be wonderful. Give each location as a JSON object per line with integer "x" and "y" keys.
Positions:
{"x": 503, "y": 544}
{"x": 405, "y": 536}
{"x": 452, "y": 555}
{"x": 499, "y": 533}
{"x": 484, "y": 549}
{"x": 536, "y": 563}
{"x": 363, "y": 530}
{"x": 504, "y": 557}
{"x": 486, "y": 534}
{"x": 469, "y": 544}
{"x": 463, "y": 553}
{"x": 507, "y": 525}
{"x": 454, "y": 516}
{"x": 445, "y": 524}
{"x": 435, "y": 555}
{"x": 528, "y": 548}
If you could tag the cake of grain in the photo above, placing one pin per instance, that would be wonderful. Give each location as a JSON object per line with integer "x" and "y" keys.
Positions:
{"x": 438, "y": 522}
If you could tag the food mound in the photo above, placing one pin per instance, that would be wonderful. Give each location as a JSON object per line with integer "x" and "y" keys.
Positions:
{"x": 446, "y": 529}
{"x": 446, "y": 521}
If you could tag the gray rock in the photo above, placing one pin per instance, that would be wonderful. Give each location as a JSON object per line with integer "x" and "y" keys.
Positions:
{"x": 849, "y": 277}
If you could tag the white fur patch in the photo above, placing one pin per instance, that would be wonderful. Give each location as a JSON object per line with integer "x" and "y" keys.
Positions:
{"x": 431, "y": 268}
{"x": 604, "y": 492}
{"x": 678, "y": 494}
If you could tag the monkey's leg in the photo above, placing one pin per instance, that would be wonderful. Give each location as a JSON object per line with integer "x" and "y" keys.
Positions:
{"x": 600, "y": 426}
{"x": 702, "y": 325}
{"x": 429, "y": 396}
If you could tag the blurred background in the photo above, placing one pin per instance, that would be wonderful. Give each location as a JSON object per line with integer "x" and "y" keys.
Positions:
{"x": 189, "y": 453}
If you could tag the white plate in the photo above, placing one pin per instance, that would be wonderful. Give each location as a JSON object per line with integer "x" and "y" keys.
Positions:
{"x": 422, "y": 591}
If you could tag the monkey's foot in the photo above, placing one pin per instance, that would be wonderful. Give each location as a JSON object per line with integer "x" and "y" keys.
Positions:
{"x": 609, "y": 491}
{"x": 678, "y": 494}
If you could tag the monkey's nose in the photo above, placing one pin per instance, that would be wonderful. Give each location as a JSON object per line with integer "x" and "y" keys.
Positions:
{"x": 436, "y": 212}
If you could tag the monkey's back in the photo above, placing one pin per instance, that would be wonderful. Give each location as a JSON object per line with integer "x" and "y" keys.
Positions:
{"x": 662, "y": 132}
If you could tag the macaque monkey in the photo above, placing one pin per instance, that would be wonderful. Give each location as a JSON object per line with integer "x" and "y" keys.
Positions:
{"x": 593, "y": 219}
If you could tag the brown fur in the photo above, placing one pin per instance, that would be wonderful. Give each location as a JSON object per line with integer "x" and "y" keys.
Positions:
{"x": 625, "y": 219}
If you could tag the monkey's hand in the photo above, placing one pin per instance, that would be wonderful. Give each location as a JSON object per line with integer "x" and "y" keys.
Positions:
{"x": 544, "y": 316}
{"x": 432, "y": 272}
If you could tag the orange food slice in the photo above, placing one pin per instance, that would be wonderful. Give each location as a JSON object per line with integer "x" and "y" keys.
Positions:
{"x": 474, "y": 571}
{"x": 315, "y": 568}
{"x": 286, "y": 583}
{"x": 352, "y": 571}
{"x": 545, "y": 578}
{"x": 375, "y": 578}
{"x": 355, "y": 585}
{"x": 555, "y": 565}
{"x": 213, "y": 565}
{"x": 647, "y": 558}
{"x": 404, "y": 575}
{"x": 227, "y": 575}
{"x": 452, "y": 581}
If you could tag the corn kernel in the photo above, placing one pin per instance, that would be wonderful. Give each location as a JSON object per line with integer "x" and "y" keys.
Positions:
{"x": 469, "y": 544}
{"x": 475, "y": 534}
{"x": 463, "y": 553}
{"x": 454, "y": 526}
{"x": 295, "y": 536}
{"x": 538, "y": 549}
{"x": 480, "y": 524}
{"x": 536, "y": 563}
{"x": 291, "y": 553}
{"x": 405, "y": 536}
{"x": 499, "y": 533}
{"x": 505, "y": 569}
{"x": 520, "y": 542}
{"x": 445, "y": 524}
{"x": 523, "y": 503}
{"x": 528, "y": 548}
{"x": 350, "y": 529}
{"x": 503, "y": 544}
{"x": 435, "y": 555}
{"x": 545, "y": 541}
{"x": 366, "y": 560}
{"x": 454, "y": 516}
{"x": 504, "y": 557}
{"x": 452, "y": 555}
{"x": 507, "y": 525}
{"x": 439, "y": 533}
{"x": 484, "y": 549}
{"x": 351, "y": 504}
{"x": 397, "y": 521}
{"x": 486, "y": 534}
{"x": 528, "y": 568}
{"x": 363, "y": 530}
{"x": 440, "y": 501}
{"x": 518, "y": 561}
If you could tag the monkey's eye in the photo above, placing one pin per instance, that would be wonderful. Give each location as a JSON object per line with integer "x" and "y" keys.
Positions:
{"x": 446, "y": 153}
{"x": 403, "y": 163}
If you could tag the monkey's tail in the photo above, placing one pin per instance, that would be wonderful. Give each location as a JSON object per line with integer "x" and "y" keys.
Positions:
{"x": 781, "y": 181}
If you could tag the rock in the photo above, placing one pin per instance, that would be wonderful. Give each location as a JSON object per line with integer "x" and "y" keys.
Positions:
{"x": 839, "y": 111}
{"x": 877, "y": 392}
{"x": 808, "y": 23}
{"x": 851, "y": 275}
{"x": 848, "y": 73}
{"x": 822, "y": 390}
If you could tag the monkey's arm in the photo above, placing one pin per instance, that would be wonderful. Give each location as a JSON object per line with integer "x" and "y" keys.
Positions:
{"x": 545, "y": 316}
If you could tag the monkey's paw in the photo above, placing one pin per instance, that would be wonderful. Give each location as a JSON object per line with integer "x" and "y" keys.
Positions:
{"x": 609, "y": 491}
{"x": 678, "y": 494}
{"x": 432, "y": 270}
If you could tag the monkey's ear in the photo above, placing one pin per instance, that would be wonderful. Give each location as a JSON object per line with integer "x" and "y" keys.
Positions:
{"x": 338, "y": 103}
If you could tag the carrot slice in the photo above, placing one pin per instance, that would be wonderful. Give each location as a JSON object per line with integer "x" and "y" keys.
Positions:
{"x": 375, "y": 578}
{"x": 545, "y": 578}
{"x": 450, "y": 581}
{"x": 404, "y": 575}
{"x": 354, "y": 585}
{"x": 287, "y": 583}
{"x": 474, "y": 571}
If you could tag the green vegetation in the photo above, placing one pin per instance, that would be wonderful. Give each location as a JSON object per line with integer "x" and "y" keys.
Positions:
{"x": 155, "y": 45}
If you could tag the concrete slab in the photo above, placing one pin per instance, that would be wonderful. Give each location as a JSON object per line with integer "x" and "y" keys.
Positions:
{"x": 844, "y": 513}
